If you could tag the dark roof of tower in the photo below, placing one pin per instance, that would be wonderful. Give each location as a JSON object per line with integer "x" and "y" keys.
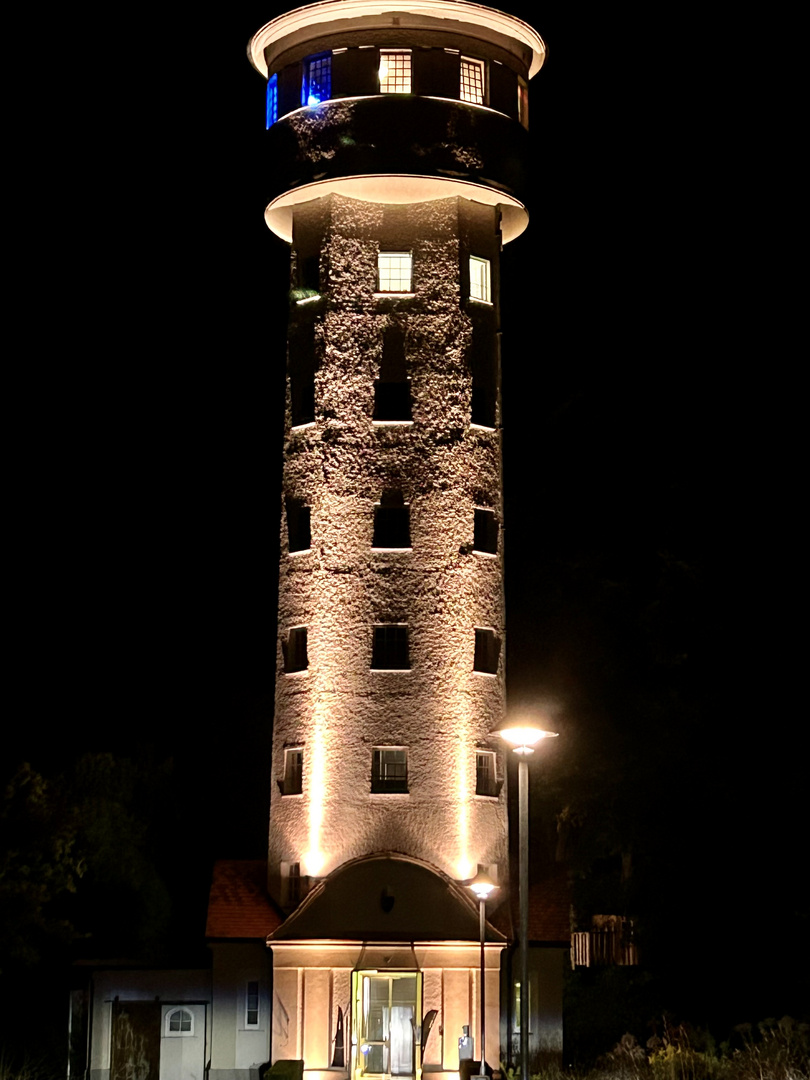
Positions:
{"x": 386, "y": 897}
{"x": 238, "y": 904}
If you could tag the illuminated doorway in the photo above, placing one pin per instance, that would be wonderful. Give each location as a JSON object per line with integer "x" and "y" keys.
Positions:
{"x": 387, "y": 1023}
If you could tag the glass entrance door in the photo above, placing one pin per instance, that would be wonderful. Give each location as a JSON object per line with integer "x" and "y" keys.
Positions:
{"x": 387, "y": 1023}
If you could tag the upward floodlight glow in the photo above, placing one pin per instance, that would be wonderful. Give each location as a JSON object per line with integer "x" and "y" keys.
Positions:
{"x": 524, "y": 739}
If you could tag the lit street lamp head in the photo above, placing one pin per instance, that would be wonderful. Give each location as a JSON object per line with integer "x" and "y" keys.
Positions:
{"x": 482, "y": 885}
{"x": 524, "y": 737}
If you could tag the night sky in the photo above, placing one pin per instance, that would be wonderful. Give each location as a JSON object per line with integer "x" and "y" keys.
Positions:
{"x": 643, "y": 474}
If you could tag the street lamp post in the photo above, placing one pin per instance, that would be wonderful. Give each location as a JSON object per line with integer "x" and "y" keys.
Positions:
{"x": 482, "y": 886}
{"x": 523, "y": 739}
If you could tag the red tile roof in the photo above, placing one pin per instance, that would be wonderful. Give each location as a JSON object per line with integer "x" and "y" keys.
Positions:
{"x": 550, "y": 907}
{"x": 238, "y": 904}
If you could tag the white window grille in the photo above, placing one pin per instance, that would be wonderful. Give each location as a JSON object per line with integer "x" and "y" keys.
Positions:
{"x": 395, "y": 71}
{"x": 472, "y": 80}
{"x": 394, "y": 271}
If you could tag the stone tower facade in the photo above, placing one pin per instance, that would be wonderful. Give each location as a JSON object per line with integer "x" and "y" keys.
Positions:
{"x": 396, "y": 139}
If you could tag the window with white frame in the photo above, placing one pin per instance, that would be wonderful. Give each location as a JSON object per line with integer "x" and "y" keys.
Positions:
{"x": 480, "y": 280}
{"x": 252, "y": 1004}
{"x": 292, "y": 781}
{"x": 317, "y": 82}
{"x": 472, "y": 80}
{"x": 486, "y": 782}
{"x": 395, "y": 71}
{"x": 394, "y": 271}
{"x": 389, "y": 770}
{"x": 179, "y": 1022}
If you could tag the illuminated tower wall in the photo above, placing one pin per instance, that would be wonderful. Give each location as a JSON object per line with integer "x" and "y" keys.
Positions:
{"x": 396, "y": 155}
{"x": 396, "y": 194}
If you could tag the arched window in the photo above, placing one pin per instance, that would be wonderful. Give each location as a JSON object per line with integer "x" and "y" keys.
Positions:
{"x": 179, "y": 1022}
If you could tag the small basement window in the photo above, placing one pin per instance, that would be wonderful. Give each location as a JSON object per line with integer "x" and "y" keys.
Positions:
{"x": 392, "y": 522}
{"x": 389, "y": 650}
{"x": 485, "y": 531}
{"x": 486, "y": 782}
{"x": 394, "y": 271}
{"x": 292, "y": 781}
{"x": 295, "y": 650}
{"x": 299, "y": 537}
{"x": 389, "y": 770}
{"x": 487, "y": 651}
{"x": 395, "y": 71}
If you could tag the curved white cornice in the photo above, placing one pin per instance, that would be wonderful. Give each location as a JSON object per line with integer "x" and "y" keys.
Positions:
{"x": 469, "y": 18}
{"x": 392, "y": 188}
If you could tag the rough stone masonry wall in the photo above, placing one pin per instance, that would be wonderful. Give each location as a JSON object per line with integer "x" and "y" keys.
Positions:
{"x": 440, "y": 709}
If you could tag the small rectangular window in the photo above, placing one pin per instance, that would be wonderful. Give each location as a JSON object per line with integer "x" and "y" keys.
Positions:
{"x": 394, "y": 271}
{"x": 480, "y": 280}
{"x": 523, "y": 102}
{"x": 252, "y": 1004}
{"x": 292, "y": 781}
{"x": 271, "y": 105}
{"x": 290, "y": 884}
{"x": 395, "y": 71}
{"x": 390, "y": 647}
{"x": 295, "y": 650}
{"x": 389, "y": 771}
{"x": 299, "y": 535}
{"x": 485, "y": 531}
{"x": 486, "y": 782}
{"x": 487, "y": 651}
{"x": 317, "y": 83}
{"x": 472, "y": 81}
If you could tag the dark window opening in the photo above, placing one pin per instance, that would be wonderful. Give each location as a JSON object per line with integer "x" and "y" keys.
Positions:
{"x": 299, "y": 535}
{"x": 486, "y": 782}
{"x": 392, "y": 522}
{"x": 293, "y": 780}
{"x": 487, "y": 651}
{"x": 302, "y": 374}
{"x": 295, "y": 650}
{"x": 293, "y": 883}
{"x": 483, "y": 364}
{"x": 389, "y": 771}
{"x": 390, "y": 648}
{"x": 483, "y": 405}
{"x": 309, "y": 274}
{"x": 485, "y": 531}
{"x": 392, "y": 391}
